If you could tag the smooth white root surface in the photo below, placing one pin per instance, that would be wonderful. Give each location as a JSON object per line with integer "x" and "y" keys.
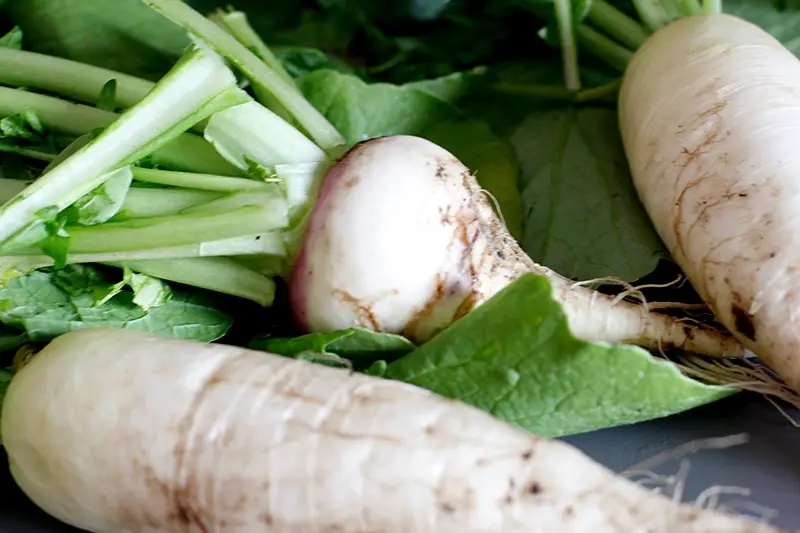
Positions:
{"x": 710, "y": 118}
{"x": 121, "y": 432}
{"x": 402, "y": 240}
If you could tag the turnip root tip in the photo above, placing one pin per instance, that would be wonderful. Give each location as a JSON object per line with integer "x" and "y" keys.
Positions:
{"x": 710, "y": 118}
{"x": 401, "y": 240}
{"x": 119, "y": 431}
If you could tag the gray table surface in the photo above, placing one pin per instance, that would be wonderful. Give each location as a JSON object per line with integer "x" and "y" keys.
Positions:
{"x": 767, "y": 464}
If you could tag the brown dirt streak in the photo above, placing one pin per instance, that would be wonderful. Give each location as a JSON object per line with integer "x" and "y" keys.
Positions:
{"x": 426, "y": 310}
{"x": 183, "y": 490}
{"x": 679, "y": 203}
{"x": 692, "y": 157}
{"x": 366, "y": 315}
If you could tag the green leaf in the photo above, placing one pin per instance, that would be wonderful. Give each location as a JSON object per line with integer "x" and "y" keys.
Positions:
{"x": 12, "y": 39}
{"x": 47, "y": 304}
{"x": 25, "y": 125}
{"x": 450, "y": 88}
{"x": 148, "y": 292}
{"x": 56, "y": 244}
{"x": 582, "y": 215}
{"x": 108, "y": 96}
{"x": 353, "y": 343}
{"x": 26, "y": 135}
{"x": 428, "y": 9}
{"x": 516, "y": 358}
{"x": 75, "y": 280}
{"x": 123, "y": 35}
{"x": 363, "y": 111}
{"x": 299, "y": 61}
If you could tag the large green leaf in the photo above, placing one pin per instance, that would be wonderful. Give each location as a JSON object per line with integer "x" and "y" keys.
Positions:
{"x": 516, "y": 358}
{"x": 582, "y": 215}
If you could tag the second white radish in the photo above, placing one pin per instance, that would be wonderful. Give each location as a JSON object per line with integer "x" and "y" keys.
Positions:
{"x": 116, "y": 431}
{"x": 710, "y": 118}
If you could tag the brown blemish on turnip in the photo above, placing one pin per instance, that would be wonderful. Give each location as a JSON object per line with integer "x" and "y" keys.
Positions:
{"x": 366, "y": 316}
{"x": 427, "y": 309}
{"x": 351, "y": 182}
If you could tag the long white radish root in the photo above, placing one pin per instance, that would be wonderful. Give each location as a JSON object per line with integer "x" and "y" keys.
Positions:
{"x": 118, "y": 431}
{"x": 403, "y": 240}
{"x": 710, "y": 119}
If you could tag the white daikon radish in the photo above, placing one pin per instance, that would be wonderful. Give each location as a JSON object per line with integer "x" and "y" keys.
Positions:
{"x": 710, "y": 118}
{"x": 119, "y": 431}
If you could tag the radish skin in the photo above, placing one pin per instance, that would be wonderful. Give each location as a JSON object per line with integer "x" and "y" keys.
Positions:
{"x": 710, "y": 118}
{"x": 402, "y": 240}
{"x": 120, "y": 431}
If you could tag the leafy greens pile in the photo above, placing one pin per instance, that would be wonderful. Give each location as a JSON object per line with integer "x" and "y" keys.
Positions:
{"x": 155, "y": 247}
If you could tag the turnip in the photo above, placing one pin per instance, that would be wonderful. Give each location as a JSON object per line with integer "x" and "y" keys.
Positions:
{"x": 709, "y": 112}
{"x": 117, "y": 431}
{"x": 402, "y": 240}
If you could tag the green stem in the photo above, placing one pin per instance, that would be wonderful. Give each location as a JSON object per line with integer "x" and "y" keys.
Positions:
{"x": 712, "y": 6}
{"x": 138, "y": 131}
{"x": 72, "y": 79}
{"x": 606, "y": 91}
{"x": 60, "y": 115}
{"x": 178, "y": 230}
{"x": 302, "y": 183}
{"x": 230, "y": 97}
{"x": 652, "y": 13}
{"x": 314, "y": 123}
{"x": 271, "y": 200}
{"x": 218, "y": 274}
{"x": 146, "y": 202}
{"x": 617, "y": 24}
{"x": 186, "y": 151}
{"x": 138, "y": 202}
{"x": 191, "y": 180}
{"x": 672, "y": 9}
{"x": 558, "y": 92}
{"x": 252, "y": 133}
{"x": 26, "y": 152}
{"x": 690, "y": 7}
{"x": 260, "y": 245}
{"x": 266, "y": 265}
{"x": 569, "y": 50}
{"x": 603, "y": 48}
{"x": 235, "y": 22}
